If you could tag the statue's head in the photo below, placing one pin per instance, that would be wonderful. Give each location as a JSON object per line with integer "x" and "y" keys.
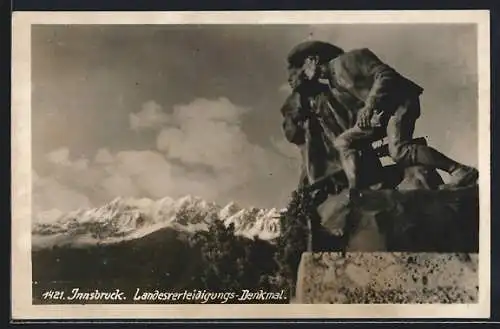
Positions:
{"x": 295, "y": 76}
{"x": 306, "y": 59}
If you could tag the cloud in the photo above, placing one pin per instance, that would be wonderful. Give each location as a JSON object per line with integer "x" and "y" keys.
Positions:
{"x": 81, "y": 164}
{"x": 83, "y": 183}
{"x": 49, "y": 193}
{"x": 59, "y": 156}
{"x": 209, "y": 133}
{"x": 201, "y": 149}
{"x": 119, "y": 185}
{"x": 132, "y": 173}
{"x": 103, "y": 156}
{"x": 151, "y": 116}
{"x": 206, "y": 132}
{"x": 149, "y": 171}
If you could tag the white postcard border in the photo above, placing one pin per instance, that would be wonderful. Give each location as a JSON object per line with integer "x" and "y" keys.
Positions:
{"x": 22, "y": 308}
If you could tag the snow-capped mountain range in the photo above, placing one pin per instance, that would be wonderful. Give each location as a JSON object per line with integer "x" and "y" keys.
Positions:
{"x": 129, "y": 218}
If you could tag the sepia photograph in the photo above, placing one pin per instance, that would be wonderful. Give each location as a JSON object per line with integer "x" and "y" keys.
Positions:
{"x": 250, "y": 165}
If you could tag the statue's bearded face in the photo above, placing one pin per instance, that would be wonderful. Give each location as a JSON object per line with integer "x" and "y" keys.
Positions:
{"x": 309, "y": 71}
{"x": 311, "y": 67}
{"x": 295, "y": 76}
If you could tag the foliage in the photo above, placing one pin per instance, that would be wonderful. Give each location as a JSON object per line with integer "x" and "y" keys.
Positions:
{"x": 231, "y": 262}
{"x": 234, "y": 262}
{"x": 294, "y": 237}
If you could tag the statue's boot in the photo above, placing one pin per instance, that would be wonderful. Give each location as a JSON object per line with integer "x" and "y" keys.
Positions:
{"x": 464, "y": 176}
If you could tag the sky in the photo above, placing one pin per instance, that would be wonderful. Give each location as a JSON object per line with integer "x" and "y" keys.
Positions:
{"x": 153, "y": 111}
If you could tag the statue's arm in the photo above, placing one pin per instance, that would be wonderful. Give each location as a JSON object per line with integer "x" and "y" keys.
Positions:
{"x": 365, "y": 64}
{"x": 293, "y": 120}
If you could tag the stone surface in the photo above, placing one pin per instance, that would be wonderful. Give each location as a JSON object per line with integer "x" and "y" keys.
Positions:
{"x": 387, "y": 277}
{"x": 416, "y": 220}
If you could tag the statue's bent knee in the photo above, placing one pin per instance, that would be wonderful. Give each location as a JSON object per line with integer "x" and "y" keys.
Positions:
{"x": 341, "y": 144}
{"x": 401, "y": 153}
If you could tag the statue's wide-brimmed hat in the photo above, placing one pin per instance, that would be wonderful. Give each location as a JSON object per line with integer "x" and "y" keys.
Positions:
{"x": 324, "y": 50}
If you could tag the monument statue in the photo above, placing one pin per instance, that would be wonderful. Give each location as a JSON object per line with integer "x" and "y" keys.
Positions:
{"x": 343, "y": 102}
{"x": 314, "y": 115}
{"x": 383, "y": 104}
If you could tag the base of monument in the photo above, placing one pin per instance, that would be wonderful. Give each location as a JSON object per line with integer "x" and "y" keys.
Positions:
{"x": 388, "y": 278}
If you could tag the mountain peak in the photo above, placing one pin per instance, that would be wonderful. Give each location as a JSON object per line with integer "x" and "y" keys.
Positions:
{"x": 129, "y": 218}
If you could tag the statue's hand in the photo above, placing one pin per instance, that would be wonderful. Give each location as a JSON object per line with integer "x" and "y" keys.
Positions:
{"x": 364, "y": 117}
{"x": 376, "y": 120}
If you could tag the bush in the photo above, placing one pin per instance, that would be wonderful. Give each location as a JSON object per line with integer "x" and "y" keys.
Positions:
{"x": 232, "y": 262}
{"x": 294, "y": 238}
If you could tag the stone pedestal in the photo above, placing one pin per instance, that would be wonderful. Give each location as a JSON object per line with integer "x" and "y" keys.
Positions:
{"x": 387, "y": 277}
{"x": 440, "y": 221}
